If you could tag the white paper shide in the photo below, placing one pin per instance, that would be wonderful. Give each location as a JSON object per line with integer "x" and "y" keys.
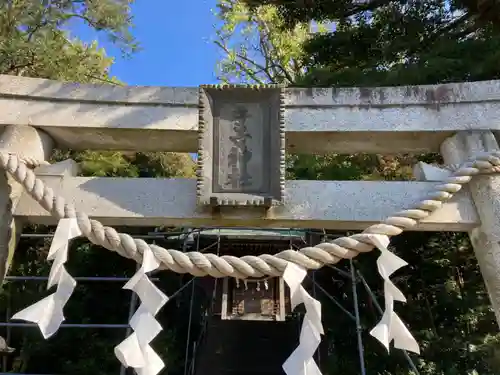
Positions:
{"x": 391, "y": 327}
{"x": 301, "y": 361}
{"x": 135, "y": 351}
{"x": 48, "y": 312}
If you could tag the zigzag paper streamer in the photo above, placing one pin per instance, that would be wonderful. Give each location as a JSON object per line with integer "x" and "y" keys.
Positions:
{"x": 301, "y": 361}
{"x": 391, "y": 327}
{"x": 135, "y": 351}
{"x": 48, "y": 312}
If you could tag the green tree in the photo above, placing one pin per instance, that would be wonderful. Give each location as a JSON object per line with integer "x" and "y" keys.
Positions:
{"x": 394, "y": 43}
{"x": 34, "y": 40}
{"x": 255, "y": 46}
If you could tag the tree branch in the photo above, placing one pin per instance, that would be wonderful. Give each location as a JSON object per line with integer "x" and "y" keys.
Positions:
{"x": 265, "y": 36}
{"x": 248, "y": 70}
{"x": 104, "y": 80}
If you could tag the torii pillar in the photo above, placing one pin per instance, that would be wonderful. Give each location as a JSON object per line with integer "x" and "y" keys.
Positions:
{"x": 33, "y": 146}
{"x": 485, "y": 191}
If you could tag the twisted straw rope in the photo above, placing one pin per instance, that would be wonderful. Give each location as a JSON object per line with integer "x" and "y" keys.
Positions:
{"x": 199, "y": 264}
{"x": 31, "y": 162}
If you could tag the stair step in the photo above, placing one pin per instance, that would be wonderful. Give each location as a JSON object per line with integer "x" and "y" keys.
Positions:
{"x": 246, "y": 347}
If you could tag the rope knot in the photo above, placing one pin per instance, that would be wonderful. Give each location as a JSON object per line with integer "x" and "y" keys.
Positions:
{"x": 199, "y": 264}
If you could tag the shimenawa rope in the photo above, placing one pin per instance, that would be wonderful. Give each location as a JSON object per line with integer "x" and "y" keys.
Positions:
{"x": 199, "y": 264}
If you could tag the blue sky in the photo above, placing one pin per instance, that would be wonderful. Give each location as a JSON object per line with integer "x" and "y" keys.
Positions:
{"x": 175, "y": 44}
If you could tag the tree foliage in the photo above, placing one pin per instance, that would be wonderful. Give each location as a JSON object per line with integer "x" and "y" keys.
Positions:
{"x": 481, "y": 12}
{"x": 392, "y": 43}
{"x": 255, "y": 46}
{"x": 34, "y": 40}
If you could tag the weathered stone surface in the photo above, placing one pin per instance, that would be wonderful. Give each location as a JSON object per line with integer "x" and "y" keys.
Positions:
{"x": 309, "y": 204}
{"x": 485, "y": 191}
{"x": 241, "y": 157}
{"x": 344, "y": 120}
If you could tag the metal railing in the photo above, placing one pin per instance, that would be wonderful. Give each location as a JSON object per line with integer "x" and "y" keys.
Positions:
{"x": 132, "y": 304}
{"x": 201, "y": 337}
{"x": 8, "y": 324}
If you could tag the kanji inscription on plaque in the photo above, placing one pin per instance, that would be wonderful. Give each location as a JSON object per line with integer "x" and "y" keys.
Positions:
{"x": 241, "y": 145}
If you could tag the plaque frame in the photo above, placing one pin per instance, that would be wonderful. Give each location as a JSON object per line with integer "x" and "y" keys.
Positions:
{"x": 213, "y": 100}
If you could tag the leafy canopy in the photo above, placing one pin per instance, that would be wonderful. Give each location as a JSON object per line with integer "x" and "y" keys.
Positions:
{"x": 34, "y": 40}
{"x": 384, "y": 42}
{"x": 255, "y": 46}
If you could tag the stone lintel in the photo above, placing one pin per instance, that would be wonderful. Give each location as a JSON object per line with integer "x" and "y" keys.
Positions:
{"x": 343, "y": 120}
{"x": 338, "y": 205}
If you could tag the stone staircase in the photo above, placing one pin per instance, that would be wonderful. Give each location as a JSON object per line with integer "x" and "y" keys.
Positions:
{"x": 245, "y": 347}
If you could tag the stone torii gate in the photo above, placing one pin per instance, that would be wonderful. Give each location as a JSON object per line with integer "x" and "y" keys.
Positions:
{"x": 241, "y": 134}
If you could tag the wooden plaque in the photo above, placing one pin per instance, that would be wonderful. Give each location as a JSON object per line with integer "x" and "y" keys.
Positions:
{"x": 241, "y": 155}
